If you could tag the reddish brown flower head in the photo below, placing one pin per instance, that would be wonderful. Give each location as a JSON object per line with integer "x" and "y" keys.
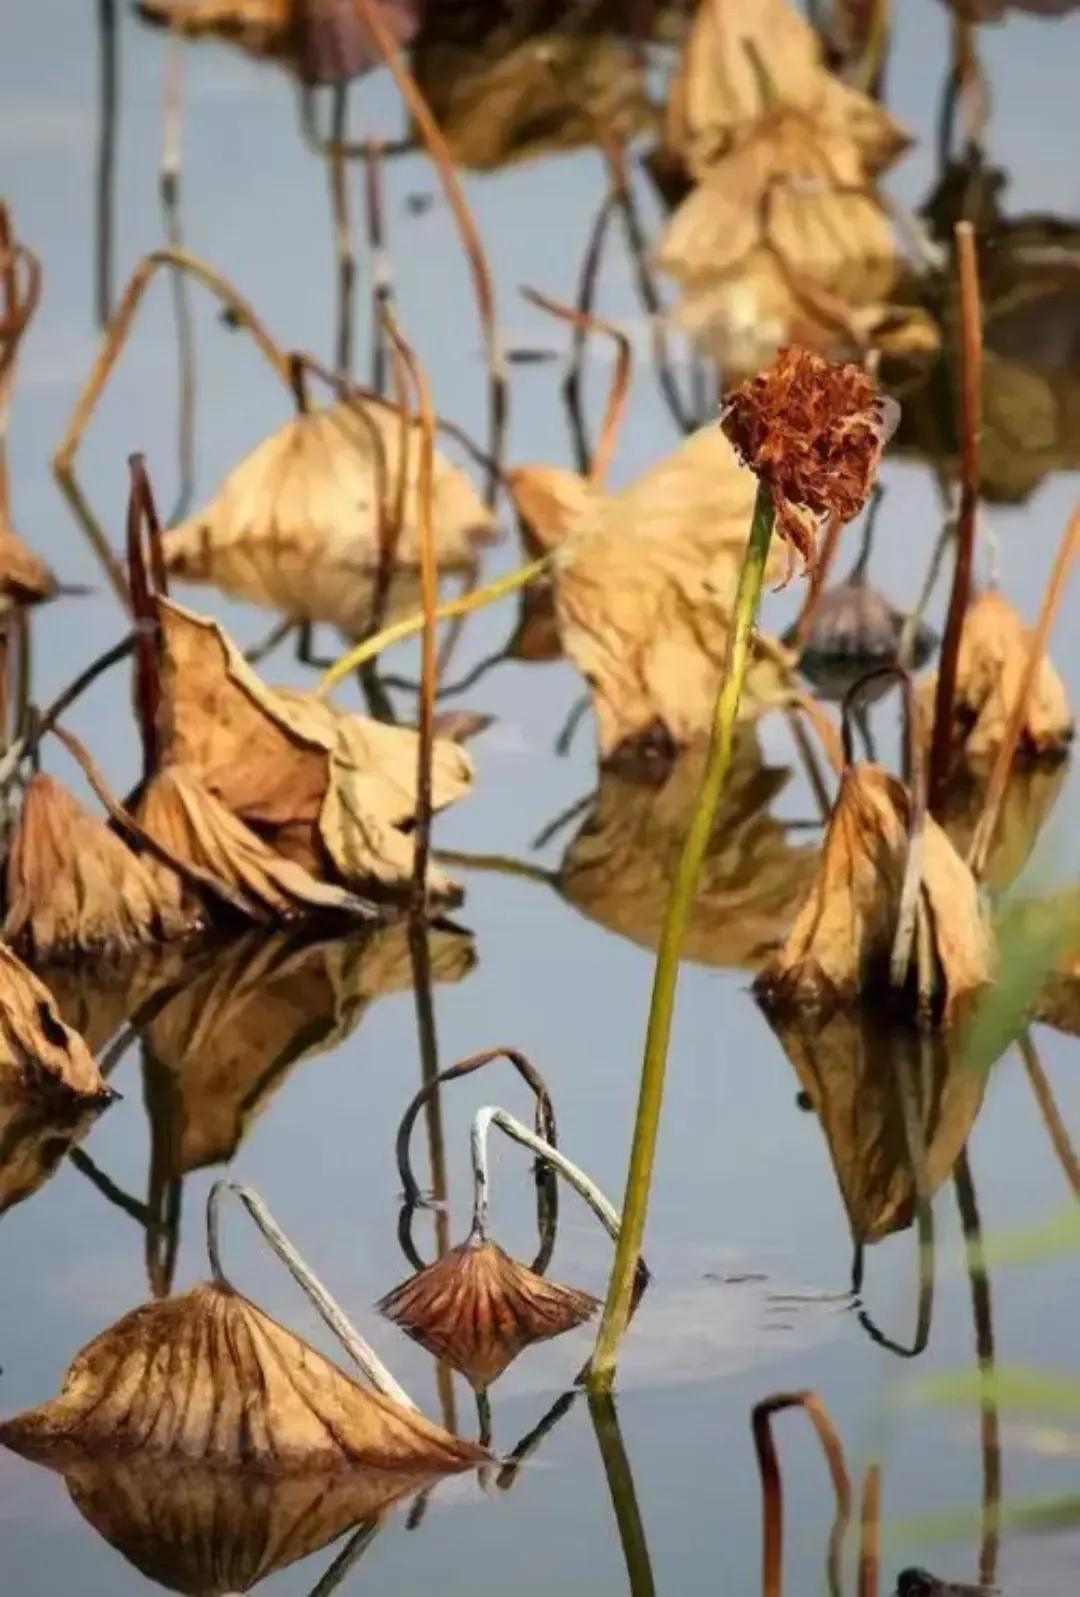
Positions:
{"x": 814, "y": 433}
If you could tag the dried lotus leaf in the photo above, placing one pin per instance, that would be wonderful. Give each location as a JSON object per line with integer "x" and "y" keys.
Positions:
{"x": 303, "y": 511}
{"x": 74, "y": 888}
{"x": 24, "y": 579}
{"x": 1028, "y": 802}
{"x": 39, "y": 1055}
{"x": 325, "y": 40}
{"x": 619, "y": 868}
{"x": 34, "y": 1142}
{"x": 478, "y": 1308}
{"x": 855, "y": 1069}
{"x": 211, "y": 1533}
{"x": 840, "y": 945}
{"x": 994, "y": 647}
{"x": 208, "y": 1379}
{"x": 555, "y": 504}
{"x": 743, "y": 60}
{"x": 178, "y": 812}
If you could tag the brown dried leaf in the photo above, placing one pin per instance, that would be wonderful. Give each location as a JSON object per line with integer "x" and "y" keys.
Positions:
{"x": 1029, "y": 799}
{"x": 619, "y": 868}
{"x": 209, "y": 1379}
{"x": 296, "y": 526}
{"x": 994, "y": 647}
{"x": 325, "y": 40}
{"x": 840, "y": 945}
{"x": 745, "y": 59}
{"x": 478, "y": 1308}
{"x": 73, "y": 887}
{"x": 39, "y": 1055}
{"x": 852, "y": 1070}
{"x": 33, "y": 1143}
{"x": 24, "y": 579}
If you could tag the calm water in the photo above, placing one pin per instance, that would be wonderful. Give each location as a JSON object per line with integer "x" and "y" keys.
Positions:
{"x": 748, "y": 1237}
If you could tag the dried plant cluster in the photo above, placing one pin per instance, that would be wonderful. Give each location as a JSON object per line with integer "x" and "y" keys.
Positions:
{"x": 326, "y": 41}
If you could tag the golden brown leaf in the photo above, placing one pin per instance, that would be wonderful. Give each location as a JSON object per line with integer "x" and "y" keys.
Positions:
{"x": 209, "y": 1379}
{"x": 325, "y": 40}
{"x": 855, "y": 1070}
{"x": 1029, "y": 800}
{"x": 840, "y": 945}
{"x": 34, "y": 1141}
{"x": 745, "y": 59}
{"x": 296, "y": 526}
{"x": 39, "y": 1055}
{"x": 73, "y": 887}
{"x": 24, "y": 579}
{"x": 618, "y": 870}
{"x": 994, "y": 647}
{"x": 478, "y": 1308}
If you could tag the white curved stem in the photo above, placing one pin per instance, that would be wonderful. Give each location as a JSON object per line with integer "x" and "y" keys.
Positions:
{"x": 491, "y": 1115}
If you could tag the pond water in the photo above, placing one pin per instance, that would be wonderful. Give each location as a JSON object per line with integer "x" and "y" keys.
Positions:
{"x": 749, "y": 1239}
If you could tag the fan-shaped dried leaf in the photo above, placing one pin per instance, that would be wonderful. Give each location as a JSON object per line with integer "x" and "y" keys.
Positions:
{"x": 39, "y": 1055}
{"x": 745, "y": 59}
{"x": 618, "y": 869}
{"x": 782, "y": 241}
{"x": 296, "y": 525}
{"x": 73, "y": 887}
{"x": 994, "y": 648}
{"x": 840, "y": 945}
{"x": 478, "y": 1308}
{"x": 34, "y": 1142}
{"x": 210, "y": 1533}
{"x": 325, "y": 40}
{"x": 209, "y": 1379}
{"x": 854, "y": 1070}
{"x": 329, "y": 789}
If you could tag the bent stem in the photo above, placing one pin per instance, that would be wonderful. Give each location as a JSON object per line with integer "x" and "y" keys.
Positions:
{"x": 772, "y": 1554}
{"x": 363, "y": 1356}
{"x": 615, "y": 409}
{"x": 665, "y": 980}
{"x": 465, "y": 604}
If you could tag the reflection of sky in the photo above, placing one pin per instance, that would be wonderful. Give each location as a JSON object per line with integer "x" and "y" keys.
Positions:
{"x": 744, "y": 1184}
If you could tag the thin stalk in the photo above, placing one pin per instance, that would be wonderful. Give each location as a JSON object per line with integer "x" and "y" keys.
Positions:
{"x": 982, "y": 1311}
{"x": 615, "y": 409}
{"x": 999, "y": 777}
{"x": 347, "y": 1560}
{"x": 1051, "y": 1114}
{"x": 590, "y": 269}
{"x": 772, "y": 1486}
{"x": 379, "y": 258}
{"x": 870, "y": 1534}
{"x": 399, "y": 631}
{"x": 338, "y": 173}
{"x": 819, "y": 575}
{"x": 970, "y": 424}
{"x": 108, "y": 84}
{"x": 365, "y": 1357}
{"x": 624, "y": 1501}
{"x": 147, "y": 663}
{"x": 171, "y": 166}
{"x": 905, "y": 650}
{"x": 665, "y": 980}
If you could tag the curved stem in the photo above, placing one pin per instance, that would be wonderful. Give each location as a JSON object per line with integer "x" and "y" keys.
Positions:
{"x": 665, "y": 981}
{"x": 365, "y": 1357}
{"x": 772, "y": 1486}
{"x": 615, "y": 409}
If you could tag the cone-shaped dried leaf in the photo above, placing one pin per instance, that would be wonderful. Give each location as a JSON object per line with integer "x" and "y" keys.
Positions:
{"x": 33, "y": 1143}
{"x": 208, "y": 1378}
{"x": 994, "y": 647}
{"x": 781, "y": 240}
{"x": 840, "y": 945}
{"x": 339, "y": 785}
{"x": 855, "y": 1070}
{"x": 618, "y": 869}
{"x": 478, "y": 1308}
{"x": 185, "y": 818}
{"x": 73, "y": 887}
{"x": 211, "y": 1533}
{"x": 296, "y": 526}
{"x": 226, "y": 1041}
{"x": 39, "y": 1055}
{"x": 745, "y": 59}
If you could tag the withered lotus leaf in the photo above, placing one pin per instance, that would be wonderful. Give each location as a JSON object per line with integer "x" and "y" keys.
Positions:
{"x": 325, "y": 39}
{"x": 994, "y": 647}
{"x": 329, "y": 788}
{"x": 478, "y": 1308}
{"x": 24, "y": 578}
{"x": 300, "y": 517}
{"x": 1028, "y": 802}
{"x": 38, "y": 1053}
{"x": 840, "y": 945}
{"x": 855, "y": 1069}
{"x": 186, "y": 819}
{"x": 34, "y": 1140}
{"x": 207, "y": 1378}
{"x": 745, "y": 59}
{"x": 73, "y": 887}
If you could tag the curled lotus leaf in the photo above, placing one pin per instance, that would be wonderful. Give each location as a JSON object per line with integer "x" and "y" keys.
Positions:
{"x": 478, "y": 1308}
{"x": 208, "y": 1379}
{"x": 34, "y": 1140}
{"x": 41, "y": 1057}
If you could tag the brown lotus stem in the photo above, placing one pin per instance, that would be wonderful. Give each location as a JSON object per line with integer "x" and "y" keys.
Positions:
{"x": 20, "y": 295}
{"x": 772, "y": 1486}
{"x": 75, "y": 689}
{"x": 378, "y": 259}
{"x": 365, "y": 1357}
{"x": 982, "y": 1311}
{"x": 169, "y": 184}
{"x": 808, "y": 755}
{"x": 347, "y": 1560}
{"x": 586, "y": 294}
{"x": 119, "y": 328}
{"x": 1051, "y": 1114}
{"x": 105, "y": 177}
{"x": 615, "y": 409}
{"x": 999, "y": 777}
{"x": 429, "y": 586}
{"x": 970, "y": 425}
{"x": 439, "y": 151}
{"x": 819, "y": 575}
{"x": 870, "y": 1534}
{"x": 338, "y": 174}
{"x": 147, "y": 660}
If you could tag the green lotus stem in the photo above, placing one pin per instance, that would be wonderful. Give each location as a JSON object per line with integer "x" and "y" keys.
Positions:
{"x": 665, "y": 979}
{"x": 398, "y": 631}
